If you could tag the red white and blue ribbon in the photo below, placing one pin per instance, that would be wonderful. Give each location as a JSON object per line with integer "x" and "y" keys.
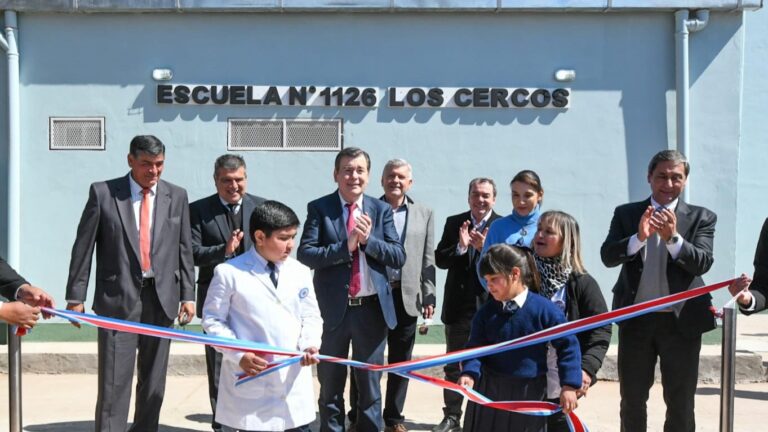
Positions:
{"x": 286, "y": 357}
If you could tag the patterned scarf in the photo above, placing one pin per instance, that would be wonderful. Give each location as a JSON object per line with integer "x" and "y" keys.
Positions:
{"x": 554, "y": 274}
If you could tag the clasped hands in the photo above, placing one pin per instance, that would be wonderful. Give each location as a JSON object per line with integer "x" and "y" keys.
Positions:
{"x": 253, "y": 365}
{"x": 662, "y": 221}
{"x": 471, "y": 237}
{"x": 360, "y": 233}
{"x": 25, "y": 312}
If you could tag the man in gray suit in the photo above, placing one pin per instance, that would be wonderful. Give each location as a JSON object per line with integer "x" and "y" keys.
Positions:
{"x": 413, "y": 286}
{"x": 139, "y": 226}
{"x": 218, "y": 224}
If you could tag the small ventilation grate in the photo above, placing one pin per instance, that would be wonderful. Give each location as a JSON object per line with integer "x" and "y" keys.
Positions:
{"x": 284, "y": 134}
{"x": 76, "y": 133}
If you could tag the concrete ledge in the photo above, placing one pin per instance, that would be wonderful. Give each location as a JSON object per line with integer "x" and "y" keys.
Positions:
{"x": 749, "y": 366}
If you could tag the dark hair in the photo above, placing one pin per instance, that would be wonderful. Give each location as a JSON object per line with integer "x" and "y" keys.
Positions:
{"x": 149, "y": 144}
{"x": 478, "y": 180}
{"x": 673, "y": 156}
{"x": 270, "y": 216}
{"x": 229, "y": 162}
{"x": 530, "y": 178}
{"x": 502, "y": 258}
{"x": 352, "y": 153}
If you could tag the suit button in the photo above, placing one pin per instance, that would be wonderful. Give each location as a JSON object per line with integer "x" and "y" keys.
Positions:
{"x": 346, "y": 286}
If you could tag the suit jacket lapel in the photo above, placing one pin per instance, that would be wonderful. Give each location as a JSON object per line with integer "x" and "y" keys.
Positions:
{"x": 220, "y": 217}
{"x": 125, "y": 210}
{"x": 162, "y": 208}
{"x": 248, "y": 206}
{"x": 683, "y": 221}
{"x": 337, "y": 215}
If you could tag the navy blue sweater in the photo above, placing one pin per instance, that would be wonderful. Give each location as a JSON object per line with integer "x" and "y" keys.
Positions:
{"x": 492, "y": 325}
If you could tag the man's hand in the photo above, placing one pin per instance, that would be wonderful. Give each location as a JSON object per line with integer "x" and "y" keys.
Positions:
{"x": 233, "y": 243}
{"x": 427, "y": 311}
{"x": 586, "y": 381}
{"x": 309, "y": 358}
{"x": 466, "y": 381}
{"x": 20, "y": 314}
{"x": 477, "y": 238}
{"x": 35, "y": 296}
{"x": 464, "y": 235}
{"x": 645, "y": 229}
{"x": 568, "y": 399}
{"x": 76, "y": 307}
{"x": 252, "y": 364}
{"x": 665, "y": 223}
{"x": 740, "y": 287}
{"x": 186, "y": 313}
{"x": 363, "y": 226}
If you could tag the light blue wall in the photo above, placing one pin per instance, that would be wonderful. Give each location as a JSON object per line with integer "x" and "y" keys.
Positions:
{"x": 753, "y": 154}
{"x": 591, "y": 157}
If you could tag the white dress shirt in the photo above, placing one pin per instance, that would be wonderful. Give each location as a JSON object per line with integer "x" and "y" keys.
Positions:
{"x": 366, "y": 286}
{"x": 136, "y": 198}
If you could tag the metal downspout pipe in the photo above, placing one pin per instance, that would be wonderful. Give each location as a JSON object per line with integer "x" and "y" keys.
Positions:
{"x": 10, "y": 45}
{"x": 683, "y": 27}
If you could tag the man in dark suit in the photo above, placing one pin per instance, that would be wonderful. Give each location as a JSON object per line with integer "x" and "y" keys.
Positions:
{"x": 139, "y": 227}
{"x": 754, "y": 291}
{"x": 458, "y": 252}
{"x": 218, "y": 226}
{"x": 349, "y": 240}
{"x": 24, "y": 308}
{"x": 664, "y": 246}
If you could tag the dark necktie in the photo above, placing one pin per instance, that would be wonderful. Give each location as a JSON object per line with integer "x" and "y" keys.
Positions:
{"x": 354, "y": 282}
{"x": 272, "y": 273}
{"x": 511, "y": 307}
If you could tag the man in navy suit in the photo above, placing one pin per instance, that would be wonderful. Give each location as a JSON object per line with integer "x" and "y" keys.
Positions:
{"x": 349, "y": 240}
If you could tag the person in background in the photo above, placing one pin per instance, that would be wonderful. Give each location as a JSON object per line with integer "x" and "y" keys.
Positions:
{"x": 565, "y": 281}
{"x": 519, "y": 227}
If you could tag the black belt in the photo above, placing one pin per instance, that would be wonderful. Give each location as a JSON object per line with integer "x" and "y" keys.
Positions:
{"x": 395, "y": 284}
{"x": 360, "y": 301}
{"x": 147, "y": 282}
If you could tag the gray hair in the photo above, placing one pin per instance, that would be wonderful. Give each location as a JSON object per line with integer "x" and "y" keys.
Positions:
{"x": 228, "y": 162}
{"x": 673, "y": 156}
{"x": 397, "y": 163}
{"x": 478, "y": 180}
{"x": 149, "y": 144}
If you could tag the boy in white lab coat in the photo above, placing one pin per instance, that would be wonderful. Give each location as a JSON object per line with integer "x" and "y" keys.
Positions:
{"x": 265, "y": 296}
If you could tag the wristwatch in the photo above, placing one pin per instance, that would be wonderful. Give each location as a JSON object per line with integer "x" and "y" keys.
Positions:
{"x": 674, "y": 239}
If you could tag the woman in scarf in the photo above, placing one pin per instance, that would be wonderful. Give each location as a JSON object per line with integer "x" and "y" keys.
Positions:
{"x": 518, "y": 228}
{"x": 557, "y": 252}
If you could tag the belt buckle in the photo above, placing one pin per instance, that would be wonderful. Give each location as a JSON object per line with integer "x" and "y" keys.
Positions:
{"x": 355, "y": 301}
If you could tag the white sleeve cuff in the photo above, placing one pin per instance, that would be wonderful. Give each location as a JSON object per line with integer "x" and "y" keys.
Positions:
{"x": 675, "y": 248}
{"x": 460, "y": 250}
{"x": 751, "y": 307}
{"x": 634, "y": 245}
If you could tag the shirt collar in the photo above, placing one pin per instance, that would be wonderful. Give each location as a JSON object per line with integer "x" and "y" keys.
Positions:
{"x": 262, "y": 263}
{"x": 481, "y": 221}
{"x": 672, "y": 206}
{"x": 359, "y": 201}
{"x": 520, "y": 298}
{"x": 136, "y": 188}
{"x": 226, "y": 204}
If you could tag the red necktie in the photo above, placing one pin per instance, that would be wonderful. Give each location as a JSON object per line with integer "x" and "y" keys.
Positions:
{"x": 354, "y": 282}
{"x": 144, "y": 239}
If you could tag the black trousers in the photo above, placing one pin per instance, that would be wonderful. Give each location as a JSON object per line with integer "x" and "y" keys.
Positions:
{"x": 641, "y": 341}
{"x": 213, "y": 368}
{"x": 456, "y": 337}
{"x": 117, "y": 355}
{"x": 364, "y": 328}
{"x": 400, "y": 341}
